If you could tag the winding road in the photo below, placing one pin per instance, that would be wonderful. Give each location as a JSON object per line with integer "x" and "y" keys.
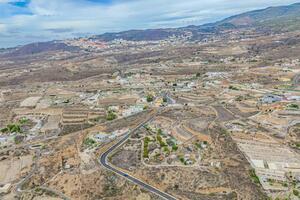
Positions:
{"x": 104, "y": 161}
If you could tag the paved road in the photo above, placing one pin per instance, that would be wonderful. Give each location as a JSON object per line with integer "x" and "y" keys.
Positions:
{"x": 104, "y": 162}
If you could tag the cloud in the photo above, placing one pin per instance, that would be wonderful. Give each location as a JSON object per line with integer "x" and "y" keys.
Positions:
{"x": 2, "y": 28}
{"x": 60, "y": 30}
{"x": 58, "y": 19}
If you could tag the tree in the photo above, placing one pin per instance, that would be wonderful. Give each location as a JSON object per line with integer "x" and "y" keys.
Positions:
{"x": 174, "y": 147}
{"x": 159, "y": 131}
{"x": 23, "y": 120}
{"x": 146, "y": 151}
{"x": 150, "y": 98}
{"x": 4, "y": 130}
{"x": 111, "y": 115}
{"x": 159, "y": 139}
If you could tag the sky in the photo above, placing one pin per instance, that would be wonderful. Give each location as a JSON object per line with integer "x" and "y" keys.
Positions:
{"x": 26, "y": 21}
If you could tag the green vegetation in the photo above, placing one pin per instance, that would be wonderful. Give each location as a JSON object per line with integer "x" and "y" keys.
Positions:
{"x": 296, "y": 192}
{"x": 66, "y": 101}
{"x": 23, "y": 120}
{"x": 89, "y": 142}
{"x": 159, "y": 131}
{"x": 159, "y": 139}
{"x": 146, "y": 151}
{"x": 150, "y": 98}
{"x": 174, "y": 147}
{"x": 231, "y": 87}
{"x": 15, "y": 127}
{"x": 181, "y": 159}
{"x": 146, "y": 126}
{"x": 170, "y": 142}
{"x": 157, "y": 155}
{"x": 165, "y": 100}
{"x": 224, "y": 132}
{"x": 293, "y": 106}
{"x": 198, "y": 74}
{"x": 284, "y": 184}
{"x": 11, "y": 128}
{"x": 166, "y": 150}
{"x": 198, "y": 145}
{"x": 4, "y": 130}
{"x": 254, "y": 177}
{"x": 111, "y": 115}
{"x": 239, "y": 98}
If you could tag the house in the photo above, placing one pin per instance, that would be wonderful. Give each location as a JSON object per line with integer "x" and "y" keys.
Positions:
{"x": 270, "y": 98}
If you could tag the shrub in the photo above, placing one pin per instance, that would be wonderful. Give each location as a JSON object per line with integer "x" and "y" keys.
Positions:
{"x": 4, "y": 130}
{"x": 146, "y": 151}
{"x": 159, "y": 139}
{"x": 181, "y": 160}
{"x": 254, "y": 176}
{"x": 14, "y": 128}
{"x": 293, "y": 106}
{"x": 174, "y": 147}
{"x": 111, "y": 115}
{"x": 89, "y": 142}
{"x": 233, "y": 88}
{"x": 23, "y": 120}
{"x": 150, "y": 98}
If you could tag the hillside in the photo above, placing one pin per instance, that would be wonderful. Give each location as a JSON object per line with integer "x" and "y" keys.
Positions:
{"x": 35, "y": 48}
{"x": 272, "y": 19}
{"x": 281, "y": 18}
{"x": 268, "y": 20}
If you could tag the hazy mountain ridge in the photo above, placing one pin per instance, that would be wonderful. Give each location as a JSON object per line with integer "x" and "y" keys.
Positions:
{"x": 271, "y": 19}
{"x": 281, "y": 18}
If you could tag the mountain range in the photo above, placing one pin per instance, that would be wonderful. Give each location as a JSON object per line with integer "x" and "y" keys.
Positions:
{"x": 271, "y": 19}
{"x": 268, "y": 20}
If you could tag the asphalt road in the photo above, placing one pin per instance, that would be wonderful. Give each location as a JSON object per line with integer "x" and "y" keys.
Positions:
{"x": 104, "y": 162}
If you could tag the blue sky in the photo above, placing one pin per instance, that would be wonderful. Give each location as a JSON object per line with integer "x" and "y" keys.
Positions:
{"x": 25, "y": 21}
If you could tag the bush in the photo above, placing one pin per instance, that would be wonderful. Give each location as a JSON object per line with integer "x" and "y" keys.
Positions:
{"x": 4, "y": 130}
{"x": 23, "y": 120}
{"x": 182, "y": 160}
{"x": 166, "y": 149}
{"x": 174, "y": 147}
{"x": 254, "y": 177}
{"x": 159, "y": 139}
{"x": 233, "y": 88}
{"x": 111, "y": 115}
{"x": 150, "y": 98}
{"x": 14, "y": 128}
{"x": 89, "y": 142}
{"x": 159, "y": 131}
{"x": 296, "y": 192}
{"x": 293, "y": 106}
{"x": 146, "y": 151}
